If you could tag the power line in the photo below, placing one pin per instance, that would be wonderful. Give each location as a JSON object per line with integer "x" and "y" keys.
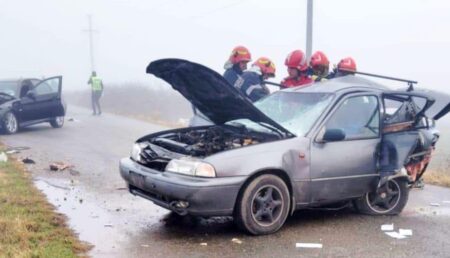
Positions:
{"x": 91, "y": 32}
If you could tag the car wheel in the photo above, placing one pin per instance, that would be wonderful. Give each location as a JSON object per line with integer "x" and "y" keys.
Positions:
{"x": 57, "y": 122}
{"x": 263, "y": 206}
{"x": 10, "y": 123}
{"x": 390, "y": 199}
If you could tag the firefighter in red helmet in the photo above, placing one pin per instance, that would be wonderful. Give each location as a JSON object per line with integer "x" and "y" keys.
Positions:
{"x": 346, "y": 66}
{"x": 252, "y": 85}
{"x": 297, "y": 70}
{"x": 319, "y": 66}
{"x": 236, "y": 64}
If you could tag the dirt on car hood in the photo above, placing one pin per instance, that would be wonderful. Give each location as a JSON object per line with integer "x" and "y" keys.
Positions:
{"x": 209, "y": 92}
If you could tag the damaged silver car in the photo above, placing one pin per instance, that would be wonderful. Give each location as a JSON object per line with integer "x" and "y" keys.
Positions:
{"x": 346, "y": 139}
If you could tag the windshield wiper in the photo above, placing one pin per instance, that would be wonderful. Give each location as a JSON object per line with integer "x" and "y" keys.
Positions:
{"x": 273, "y": 128}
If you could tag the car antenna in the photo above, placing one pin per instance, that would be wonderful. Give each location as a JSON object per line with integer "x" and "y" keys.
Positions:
{"x": 409, "y": 82}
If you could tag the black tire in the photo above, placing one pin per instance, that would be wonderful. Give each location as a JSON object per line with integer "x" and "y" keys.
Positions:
{"x": 388, "y": 200}
{"x": 10, "y": 124}
{"x": 263, "y": 206}
{"x": 57, "y": 122}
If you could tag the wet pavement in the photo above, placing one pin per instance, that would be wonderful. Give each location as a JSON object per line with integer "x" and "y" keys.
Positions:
{"x": 103, "y": 213}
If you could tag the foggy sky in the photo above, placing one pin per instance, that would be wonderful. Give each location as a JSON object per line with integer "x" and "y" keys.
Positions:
{"x": 407, "y": 39}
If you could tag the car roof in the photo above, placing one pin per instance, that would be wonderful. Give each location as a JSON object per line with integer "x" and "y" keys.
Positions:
{"x": 342, "y": 85}
{"x": 17, "y": 79}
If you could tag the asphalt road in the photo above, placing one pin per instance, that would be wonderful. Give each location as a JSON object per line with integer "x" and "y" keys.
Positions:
{"x": 118, "y": 224}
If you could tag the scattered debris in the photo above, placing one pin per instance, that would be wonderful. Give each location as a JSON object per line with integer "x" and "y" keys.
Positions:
{"x": 121, "y": 188}
{"x": 60, "y": 166}
{"x": 405, "y": 232}
{"x": 236, "y": 241}
{"x": 74, "y": 172}
{"x": 204, "y": 244}
{"x": 28, "y": 161}
{"x": 435, "y": 204}
{"x": 3, "y": 157}
{"x": 81, "y": 200}
{"x": 71, "y": 119}
{"x": 394, "y": 234}
{"x": 145, "y": 245}
{"x": 108, "y": 225}
{"x": 14, "y": 150}
{"x": 308, "y": 245}
{"x": 387, "y": 227}
{"x": 446, "y": 202}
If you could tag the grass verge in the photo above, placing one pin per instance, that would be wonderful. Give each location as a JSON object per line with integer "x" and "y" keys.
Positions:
{"x": 29, "y": 225}
{"x": 437, "y": 177}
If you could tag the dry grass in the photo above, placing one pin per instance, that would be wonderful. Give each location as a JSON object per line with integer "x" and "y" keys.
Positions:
{"x": 437, "y": 177}
{"x": 29, "y": 226}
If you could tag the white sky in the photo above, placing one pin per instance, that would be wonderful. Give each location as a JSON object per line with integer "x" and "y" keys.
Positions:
{"x": 406, "y": 39}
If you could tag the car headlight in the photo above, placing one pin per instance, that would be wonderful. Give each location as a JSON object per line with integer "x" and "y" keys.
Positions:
{"x": 136, "y": 151}
{"x": 191, "y": 167}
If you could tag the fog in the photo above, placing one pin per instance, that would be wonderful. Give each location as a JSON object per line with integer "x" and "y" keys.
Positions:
{"x": 408, "y": 39}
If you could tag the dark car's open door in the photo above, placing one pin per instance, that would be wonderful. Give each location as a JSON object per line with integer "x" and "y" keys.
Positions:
{"x": 43, "y": 100}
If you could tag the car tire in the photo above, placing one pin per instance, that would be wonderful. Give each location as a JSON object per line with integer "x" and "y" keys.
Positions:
{"x": 57, "y": 122}
{"x": 389, "y": 200}
{"x": 263, "y": 206}
{"x": 10, "y": 124}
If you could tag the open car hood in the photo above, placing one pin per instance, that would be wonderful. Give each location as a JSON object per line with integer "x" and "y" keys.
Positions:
{"x": 209, "y": 92}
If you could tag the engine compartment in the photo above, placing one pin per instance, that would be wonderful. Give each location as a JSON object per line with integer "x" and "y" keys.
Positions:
{"x": 198, "y": 142}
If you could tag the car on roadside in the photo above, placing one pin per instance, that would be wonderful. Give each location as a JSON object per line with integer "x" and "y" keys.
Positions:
{"x": 29, "y": 101}
{"x": 348, "y": 139}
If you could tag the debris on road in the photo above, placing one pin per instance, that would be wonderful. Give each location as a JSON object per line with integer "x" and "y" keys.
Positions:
{"x": 108, "y": 225}
{"x": 145, "y": 245}
{"x": 3, "y": 157}
{"x": 14, "y": 150}
{"x": 394, "y": 234}
{"x": 308, "y": 245}
{"x": 405, "y": 232}
{"x": 121, "y": 188}
{"x": 71, "y": 119}
{"x": 387, "y": 227}
{"x": 204, "y": 244}
{"x": 28, "y": 161}
{"x": 236, "y": 241}
{"x": 435, "y": 204}
{"x": 446, "y": 202}
{"x": 60, "y": 166}
{"x": 74, "y": 172}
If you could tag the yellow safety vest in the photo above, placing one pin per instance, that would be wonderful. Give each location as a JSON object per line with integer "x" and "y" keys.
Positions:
{"x": 96, "y": 83}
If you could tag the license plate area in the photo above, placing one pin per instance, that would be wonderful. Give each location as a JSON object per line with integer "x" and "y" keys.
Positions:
{"x": 137, "y": 180}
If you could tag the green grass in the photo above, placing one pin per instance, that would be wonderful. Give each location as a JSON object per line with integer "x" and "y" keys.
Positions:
{"x": 29, "y": 225}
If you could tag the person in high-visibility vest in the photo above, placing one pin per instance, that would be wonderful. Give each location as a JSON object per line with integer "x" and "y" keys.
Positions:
{"x": 97, "y": 91}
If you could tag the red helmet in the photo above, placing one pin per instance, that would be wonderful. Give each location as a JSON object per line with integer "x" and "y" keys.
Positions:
{"x": 296, "y": 59}
{"x": 266, "y": 66}
{"x": 347, "y": 64}
{"x": 319, "y": 59}
{"x": 240, "y": 54}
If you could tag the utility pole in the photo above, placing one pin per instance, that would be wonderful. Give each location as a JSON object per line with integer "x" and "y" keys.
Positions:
{"x": 91, "y": 32}
{"x": 309, "y": 29}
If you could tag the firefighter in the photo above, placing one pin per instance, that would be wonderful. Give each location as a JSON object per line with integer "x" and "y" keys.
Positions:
{"x": 319, "y": 66}
{"x": 97, "y": 91}
{"x": 252, "y": 85}
{"x": 297, "y": 70}
{"x": 237, "y": 64}
{"x": 346, "y": 66}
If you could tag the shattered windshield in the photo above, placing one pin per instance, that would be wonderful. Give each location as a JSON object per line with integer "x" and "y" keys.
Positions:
{"x": 9, "y": 88}
{"x": 295, "y": 111}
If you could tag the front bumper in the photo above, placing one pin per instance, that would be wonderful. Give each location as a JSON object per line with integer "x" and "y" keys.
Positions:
{"x": 206, "y": 196}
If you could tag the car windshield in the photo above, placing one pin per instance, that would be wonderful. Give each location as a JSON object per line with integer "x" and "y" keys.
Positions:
{"x": 9, "y": 88}
{"x": 295, "y": 111}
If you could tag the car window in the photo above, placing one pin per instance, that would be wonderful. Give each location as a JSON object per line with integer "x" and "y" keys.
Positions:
{"x": 358, "y": 117}
{"x": 47, "y": 87}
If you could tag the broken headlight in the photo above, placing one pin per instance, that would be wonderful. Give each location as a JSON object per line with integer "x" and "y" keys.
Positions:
{"x": 191, "y": 167}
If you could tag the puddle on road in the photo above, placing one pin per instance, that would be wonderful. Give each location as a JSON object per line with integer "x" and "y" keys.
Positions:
{"x": 92, "y": 223}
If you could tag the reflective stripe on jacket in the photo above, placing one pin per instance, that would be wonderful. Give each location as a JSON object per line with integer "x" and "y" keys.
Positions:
{"x": 96, "y": 83}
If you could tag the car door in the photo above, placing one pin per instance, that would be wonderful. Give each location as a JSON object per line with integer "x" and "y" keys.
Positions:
{"x": 43, "y": 100}
{"x": 347, "y": 168}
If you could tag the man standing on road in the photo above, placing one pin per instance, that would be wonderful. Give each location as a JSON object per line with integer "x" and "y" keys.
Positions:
{"x": 97, "y": 91}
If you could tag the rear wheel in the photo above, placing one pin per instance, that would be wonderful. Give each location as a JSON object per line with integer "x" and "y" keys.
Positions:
{"x": 9, "y": 123}
{"x": 57, "y": 122}
{"x": 263, "y": 206}
{"x": 389, "y": 199}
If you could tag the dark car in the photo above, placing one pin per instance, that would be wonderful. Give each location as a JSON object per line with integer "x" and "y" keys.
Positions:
{"x": 346, "y": 139}
{"x": 25, "y": 102}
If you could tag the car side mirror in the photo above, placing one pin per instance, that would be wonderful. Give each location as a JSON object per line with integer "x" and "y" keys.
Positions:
{"x": 333, "y": 135}
{"x": 31, "y": 95}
